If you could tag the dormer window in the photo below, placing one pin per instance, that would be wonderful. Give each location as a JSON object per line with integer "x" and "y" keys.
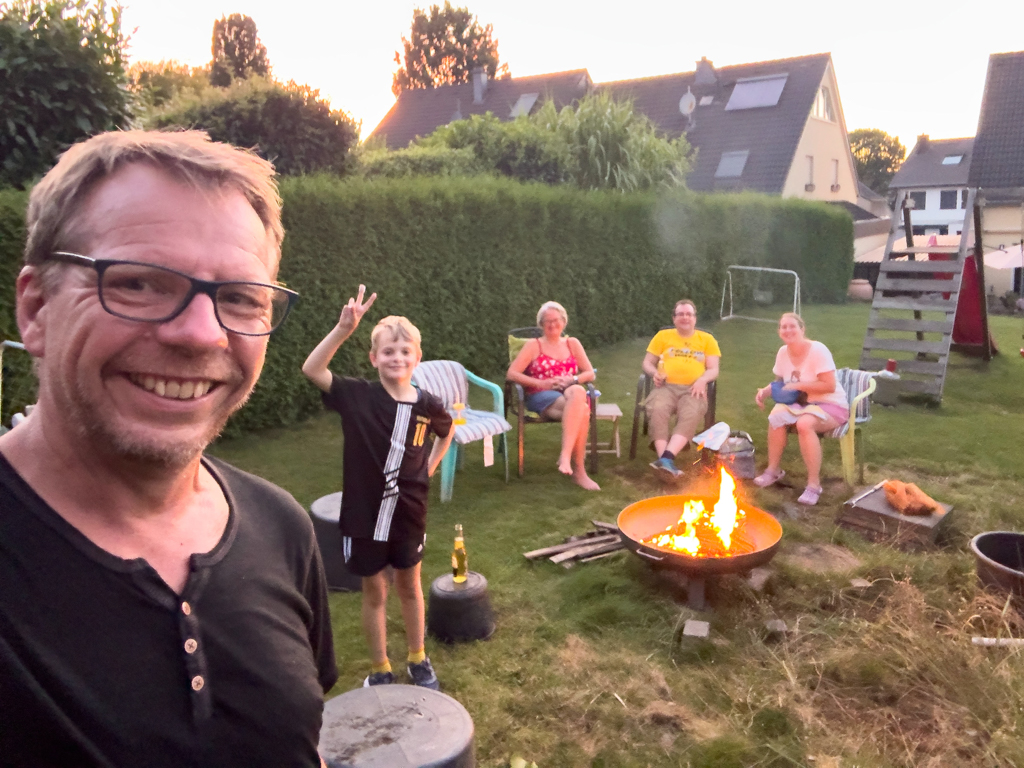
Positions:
{"x": 524, "y": 105}
{"x": 952, "y": 159}
{"x": 753, "y": 92}
{"x": 822, "y": 108}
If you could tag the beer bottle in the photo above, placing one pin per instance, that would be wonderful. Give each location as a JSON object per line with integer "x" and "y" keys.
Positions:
{"x": 460, "y": 566}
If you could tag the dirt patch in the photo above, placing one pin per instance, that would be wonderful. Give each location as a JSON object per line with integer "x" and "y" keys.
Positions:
{"x": 668, "y": 713}
{"x": 820, "y": 558}
{"x": 577, "y": 654}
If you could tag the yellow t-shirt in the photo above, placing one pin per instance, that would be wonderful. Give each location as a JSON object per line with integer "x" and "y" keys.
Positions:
{"x": 683, "y": 358}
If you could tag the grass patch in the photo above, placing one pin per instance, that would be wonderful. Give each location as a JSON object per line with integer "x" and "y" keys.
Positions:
{"x": 583, "y": 669}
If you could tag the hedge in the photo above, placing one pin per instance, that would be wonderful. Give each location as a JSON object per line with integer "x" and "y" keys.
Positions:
{"x": 466, "y": 259}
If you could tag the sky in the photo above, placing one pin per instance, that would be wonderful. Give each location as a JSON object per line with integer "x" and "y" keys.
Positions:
{"x": 907, "y": 69}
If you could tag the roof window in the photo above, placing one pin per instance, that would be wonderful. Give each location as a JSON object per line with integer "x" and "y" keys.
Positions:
{"x": 705, "y": 100}
{"x": 524, "y": 105}
{"x": 952, "y": 159}
{"x": 730, "y": 166}
{"x": 753, "y": 92}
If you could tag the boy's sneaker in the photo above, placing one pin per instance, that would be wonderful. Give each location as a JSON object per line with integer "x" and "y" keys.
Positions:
{"x": 379, "y": 678}
{"x": 666, "y": 469}
{"x": 422, "y": 674}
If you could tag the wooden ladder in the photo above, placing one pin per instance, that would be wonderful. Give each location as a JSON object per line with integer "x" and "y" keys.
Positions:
{"x": 915, "y": 305}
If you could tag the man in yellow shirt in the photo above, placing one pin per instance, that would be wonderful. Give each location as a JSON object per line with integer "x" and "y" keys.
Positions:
{"x": 682, "y": 361}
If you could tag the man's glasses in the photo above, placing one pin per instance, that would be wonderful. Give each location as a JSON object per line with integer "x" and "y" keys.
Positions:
{"x": 134, "y": 290}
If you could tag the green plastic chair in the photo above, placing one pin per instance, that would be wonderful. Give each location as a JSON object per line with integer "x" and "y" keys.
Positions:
{"x": 449, "y": 381}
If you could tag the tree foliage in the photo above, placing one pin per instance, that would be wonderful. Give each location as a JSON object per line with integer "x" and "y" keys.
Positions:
{"x": 237, "y": 50}
{"x": 156, "y": 83}
{"x": 290, "y": 125}
{"x": 444, "y": 47}
{"x": 599, "y": 143}
{"x": 877, "y": 155}
{"x": 62, "y": 79}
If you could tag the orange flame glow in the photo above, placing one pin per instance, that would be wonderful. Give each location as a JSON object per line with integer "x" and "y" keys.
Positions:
{"x": 700, "y": 533}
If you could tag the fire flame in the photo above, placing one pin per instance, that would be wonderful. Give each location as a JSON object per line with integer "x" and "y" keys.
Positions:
{"x": 700, "y": 533}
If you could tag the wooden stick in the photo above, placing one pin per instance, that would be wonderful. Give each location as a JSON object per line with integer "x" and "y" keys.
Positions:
{"x": 602, "y": 555}
{"x": 590, "y": 549}
{"x": 555, "y": 549}
{"x": 601, "y": 526}
{"x": 1001, "y": 642}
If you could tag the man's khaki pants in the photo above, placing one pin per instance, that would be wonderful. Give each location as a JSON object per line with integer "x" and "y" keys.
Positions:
{"x": 669, "y": 399}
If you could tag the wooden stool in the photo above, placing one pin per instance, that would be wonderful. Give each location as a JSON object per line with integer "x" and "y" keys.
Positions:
{"x": 460, "y": 612}
{"x": 609, "y": 412}
{"x": 326, "y": 511}
{"x": 396, "y": 726}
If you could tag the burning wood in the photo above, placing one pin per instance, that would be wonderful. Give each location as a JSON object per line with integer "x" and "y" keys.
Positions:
{"x": 703, "y": 533}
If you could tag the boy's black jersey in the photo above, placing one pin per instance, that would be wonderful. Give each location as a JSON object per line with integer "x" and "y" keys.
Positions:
{"x": 387, "y": 445}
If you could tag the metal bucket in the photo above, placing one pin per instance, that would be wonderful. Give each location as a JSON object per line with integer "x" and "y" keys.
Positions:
{"x": 737, "y": 455}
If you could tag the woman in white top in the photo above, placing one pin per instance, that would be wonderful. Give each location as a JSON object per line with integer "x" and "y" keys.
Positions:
{"x": 804, "y": 369}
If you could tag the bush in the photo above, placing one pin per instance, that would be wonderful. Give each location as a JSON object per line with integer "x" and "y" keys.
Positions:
{"x": 289, "y": 125}
{"x": 418, "y": 161}
{"x": 19, "y": 383}
{"x": 466, "y": 259}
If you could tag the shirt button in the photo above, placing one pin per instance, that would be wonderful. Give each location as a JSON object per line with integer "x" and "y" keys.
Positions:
{"x": 186, "y": 609}
{"x": 198, "y": 683}
{"x": 191, "y": 645}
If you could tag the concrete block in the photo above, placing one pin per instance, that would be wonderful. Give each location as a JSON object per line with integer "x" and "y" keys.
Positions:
{"x": 758, "y": 578}
{"x": 697, "y": 629}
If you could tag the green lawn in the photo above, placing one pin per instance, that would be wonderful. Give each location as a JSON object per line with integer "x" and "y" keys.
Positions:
{"x": 583, "y": 669}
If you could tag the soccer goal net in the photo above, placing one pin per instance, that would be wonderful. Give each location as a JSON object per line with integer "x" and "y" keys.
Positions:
{"x": 759, "y": 293}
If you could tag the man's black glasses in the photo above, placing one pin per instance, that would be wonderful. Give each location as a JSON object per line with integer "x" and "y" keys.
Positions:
{"x": 134, "y": 290}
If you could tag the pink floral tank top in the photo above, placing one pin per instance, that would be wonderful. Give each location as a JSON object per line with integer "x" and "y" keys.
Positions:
{"x": 546, "y": 367}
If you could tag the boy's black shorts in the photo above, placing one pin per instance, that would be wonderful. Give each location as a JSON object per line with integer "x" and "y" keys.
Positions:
{"x": 366, "y": 557}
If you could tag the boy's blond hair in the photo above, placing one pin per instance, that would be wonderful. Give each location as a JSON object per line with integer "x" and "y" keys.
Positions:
{"x": 394, "y": 328}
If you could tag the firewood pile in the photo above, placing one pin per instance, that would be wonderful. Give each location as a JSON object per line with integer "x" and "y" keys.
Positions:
{"x": 603, "y": 541}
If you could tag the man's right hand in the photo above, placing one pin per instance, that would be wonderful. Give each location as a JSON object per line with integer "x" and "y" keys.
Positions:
{"x": 659, "y": 379}
{"x": 353, "y": 312}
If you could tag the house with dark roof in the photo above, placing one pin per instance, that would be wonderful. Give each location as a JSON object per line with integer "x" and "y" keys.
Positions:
{"x": 997, "y": 169}
{"x": 935, "y": 176}
{"x": 419, "y": 112}
{"x": 773, "y": 126}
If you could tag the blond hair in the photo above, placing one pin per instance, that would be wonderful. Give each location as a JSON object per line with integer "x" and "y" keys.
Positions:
{"x": 795, "y": 317}
{"x": 190, "y": 157}
{"x": 548, "y": 305}
{"x": 396, "y": 328}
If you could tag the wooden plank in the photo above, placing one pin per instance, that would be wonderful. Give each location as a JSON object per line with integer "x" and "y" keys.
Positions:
{"x": 558, "y": 548}
{"x": 886, "y": 283}
{"x": 907, "y": 324}
{"x": 908, "y": 345}
{"x": 942, "y": 267}
{"x": 603, "y": 526}
{"x": 980, "y": 264}
{"x": 918, "y": 304}
{"x": 868, "y": 363}
{"x": 585, "y": 551}
{"x": 908, "y": 250}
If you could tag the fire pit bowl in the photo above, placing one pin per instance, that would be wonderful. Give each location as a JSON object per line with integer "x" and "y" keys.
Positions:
{"x": 1000, "y": 560}
{"x": 643, "y": 519}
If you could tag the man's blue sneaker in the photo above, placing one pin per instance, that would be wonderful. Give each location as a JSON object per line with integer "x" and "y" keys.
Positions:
{"x": 666, "y": 469}
{"x": 379, "y": 678}
{"x": 422, "y": 674}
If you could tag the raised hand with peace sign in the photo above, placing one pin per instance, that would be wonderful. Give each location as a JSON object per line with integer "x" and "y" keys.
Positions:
{"x": 354, "y": 310}
{"x": 315, "y": 366}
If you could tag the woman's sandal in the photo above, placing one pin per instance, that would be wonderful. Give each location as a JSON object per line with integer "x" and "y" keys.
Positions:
{"x": 769, "y": 477}
{"x": 810, "y": 496}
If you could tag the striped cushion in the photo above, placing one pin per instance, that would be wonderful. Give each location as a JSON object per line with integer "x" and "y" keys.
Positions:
{"x": 854, "y": 382}
{"x": 444, "y": 378}
{"x": 478, "y": 424}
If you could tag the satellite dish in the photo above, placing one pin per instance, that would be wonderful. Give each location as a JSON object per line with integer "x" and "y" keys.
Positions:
{"x": 688, "y": 103}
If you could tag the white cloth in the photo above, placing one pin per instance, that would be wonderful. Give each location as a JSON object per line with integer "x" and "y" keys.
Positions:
{"x": 818, "y": 360}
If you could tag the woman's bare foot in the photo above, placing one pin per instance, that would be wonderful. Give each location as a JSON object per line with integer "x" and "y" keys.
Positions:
{"x": 564, "y": 465}
{"x": 582, "y": 479}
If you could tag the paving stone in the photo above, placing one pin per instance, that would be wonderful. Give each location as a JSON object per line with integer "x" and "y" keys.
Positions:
{"x": 696, "y": 628}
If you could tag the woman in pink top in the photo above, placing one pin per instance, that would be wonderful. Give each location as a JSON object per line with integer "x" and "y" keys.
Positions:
{"x": 803, "y": 368}
{"x": 551, "y": 370}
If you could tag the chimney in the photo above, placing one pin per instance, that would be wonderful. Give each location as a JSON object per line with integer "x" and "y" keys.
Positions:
{"x": 922, "y": 143}
{"x": 479, "y": 84}
{"x": 705, "y": 74}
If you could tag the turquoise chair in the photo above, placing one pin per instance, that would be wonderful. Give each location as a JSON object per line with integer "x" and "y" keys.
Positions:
{"x": 449, "y": 381}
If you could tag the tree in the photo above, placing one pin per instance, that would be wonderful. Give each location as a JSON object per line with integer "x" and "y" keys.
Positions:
{"x": 237, "y": 50}
{"x": 877, "y": 155}
{"x": 445, "y": 47}
{"x": 156, "y": 83}
{"x": 289, "y": 125}
{"x": 62, "y": 79}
